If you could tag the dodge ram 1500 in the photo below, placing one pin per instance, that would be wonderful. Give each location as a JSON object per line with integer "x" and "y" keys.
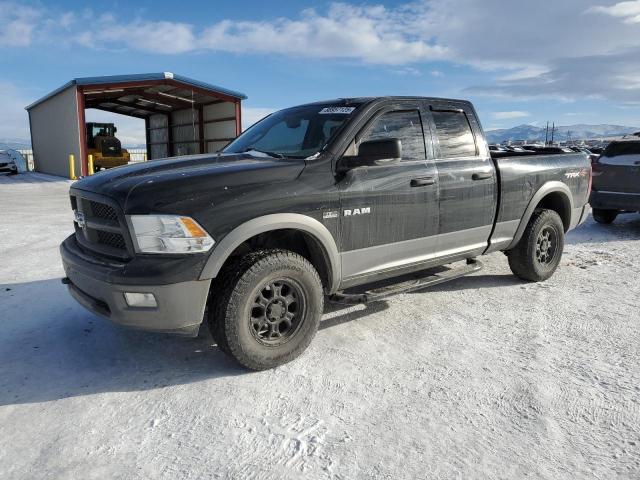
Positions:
{"x": 323, "y": 200}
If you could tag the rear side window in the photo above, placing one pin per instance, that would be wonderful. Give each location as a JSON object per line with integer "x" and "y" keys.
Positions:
{"x": 454, "y": 134}
{"x": 406, "y": 126}
{"x": 622, "y": 148}
{"x": 621, "y": 153}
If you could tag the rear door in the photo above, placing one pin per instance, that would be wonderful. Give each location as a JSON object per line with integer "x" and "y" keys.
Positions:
{"x": 618, "y": 168}
{"x": 467, "y": 179}
{"x": 389, "y": 214}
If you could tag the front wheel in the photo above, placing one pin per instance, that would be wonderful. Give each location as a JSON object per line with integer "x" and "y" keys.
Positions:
{"x": 601, "y": 215}
{"x": 538, "y": 253}
{"x": 268, "y": 308}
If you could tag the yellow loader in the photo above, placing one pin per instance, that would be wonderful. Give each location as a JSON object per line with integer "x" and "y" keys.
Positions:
{"x": 106, "y": 149}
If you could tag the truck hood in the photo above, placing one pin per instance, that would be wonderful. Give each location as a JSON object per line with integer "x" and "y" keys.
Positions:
{"x": 159, "y": 185}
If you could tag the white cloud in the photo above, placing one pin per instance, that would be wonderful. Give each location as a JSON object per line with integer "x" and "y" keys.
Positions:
{"x": 408, "y": 71}
{"x": 154, "y": 37}
{"x": 567, "y": 58}
{"x": 614, "y": 77}
{"x": 629, "y": 11}
{"x": 373, "y": 34}
{"x": 509, "y": 115}
{"x": 17, "y": 24}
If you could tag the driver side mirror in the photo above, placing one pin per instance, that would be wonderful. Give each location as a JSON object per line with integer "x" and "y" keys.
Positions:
{"x": 373, "y": 153}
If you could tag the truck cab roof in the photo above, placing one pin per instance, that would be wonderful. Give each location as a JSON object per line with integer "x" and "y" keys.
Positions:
{"x": 356, "y": 101}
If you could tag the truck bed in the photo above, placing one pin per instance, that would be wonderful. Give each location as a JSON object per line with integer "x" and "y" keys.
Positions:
{"x": 522, "y": 175}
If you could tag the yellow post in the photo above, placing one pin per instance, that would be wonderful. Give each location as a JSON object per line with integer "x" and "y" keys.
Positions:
{"x": 72, "y": 167}
{"x": 145, "y": 156}
{"x": 90, "y": 164}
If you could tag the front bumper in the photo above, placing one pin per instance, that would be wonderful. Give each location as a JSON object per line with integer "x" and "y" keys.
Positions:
{"x": 615, "y": 200}
{"x": 180, "y": 306}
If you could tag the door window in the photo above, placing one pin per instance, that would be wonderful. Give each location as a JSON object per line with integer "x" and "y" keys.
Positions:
{"x": 406, "y": 126}
{"x": 454, "y": 134}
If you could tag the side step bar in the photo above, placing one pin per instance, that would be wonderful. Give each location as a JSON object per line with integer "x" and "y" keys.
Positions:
{"x": 381, "y": 293}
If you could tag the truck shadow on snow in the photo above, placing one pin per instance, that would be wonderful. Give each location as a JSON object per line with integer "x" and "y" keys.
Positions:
{"x": 51, "y": 348}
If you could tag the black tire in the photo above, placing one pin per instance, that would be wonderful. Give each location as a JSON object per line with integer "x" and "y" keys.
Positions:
{"x": 601, "y": 215}
{"x": 533, "y": 258}
{"x": 267, "y": 308}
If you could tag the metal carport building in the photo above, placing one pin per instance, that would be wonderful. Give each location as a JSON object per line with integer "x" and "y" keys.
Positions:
{"x": 182, "y": 116}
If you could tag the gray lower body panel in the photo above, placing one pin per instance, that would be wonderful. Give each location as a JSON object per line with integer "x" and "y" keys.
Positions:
{"x": 372, "y": 263}
{"x": 615, "y": 200}
{"x": 180, "y": 306}
{"x": 390, "y": 256}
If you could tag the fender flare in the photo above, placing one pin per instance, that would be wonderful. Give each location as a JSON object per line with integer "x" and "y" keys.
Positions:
{"x": 276, "y": 221}
{"x": 546, "y": 189}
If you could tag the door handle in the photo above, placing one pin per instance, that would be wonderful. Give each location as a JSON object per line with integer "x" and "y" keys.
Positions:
{"x": 422, "y": 181}
{"x": 481, "y": 176}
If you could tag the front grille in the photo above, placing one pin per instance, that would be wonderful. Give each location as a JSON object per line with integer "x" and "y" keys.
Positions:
{"x": 101, "y": 210}
{"x": 99, "y": 225}
{"x": 114, "y": 240}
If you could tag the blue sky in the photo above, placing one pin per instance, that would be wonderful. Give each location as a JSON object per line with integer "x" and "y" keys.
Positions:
{"x": 575, "y": 61}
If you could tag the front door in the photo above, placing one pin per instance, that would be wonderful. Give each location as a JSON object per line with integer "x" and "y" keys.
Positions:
{"x": 389, "y": 213}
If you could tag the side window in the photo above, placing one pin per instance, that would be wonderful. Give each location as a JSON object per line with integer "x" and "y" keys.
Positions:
{"x": 405, "y": 125}
{"x": 454, "y": 134}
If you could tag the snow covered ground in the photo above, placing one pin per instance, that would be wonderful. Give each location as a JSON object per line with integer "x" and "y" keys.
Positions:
{"x": 484, "y": 377}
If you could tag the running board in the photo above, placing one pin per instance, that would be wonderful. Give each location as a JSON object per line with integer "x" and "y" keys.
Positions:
{"x": 420, "y": 283}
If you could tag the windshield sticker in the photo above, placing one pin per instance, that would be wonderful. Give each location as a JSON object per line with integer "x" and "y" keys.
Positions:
{"x": 342, "y": 110}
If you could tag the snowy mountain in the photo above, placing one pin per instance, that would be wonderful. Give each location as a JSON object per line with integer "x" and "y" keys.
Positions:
{"x": 579, "y": 131}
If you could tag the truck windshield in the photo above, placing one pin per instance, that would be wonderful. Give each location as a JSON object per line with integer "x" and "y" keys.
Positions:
{"x": 297, "y": 132}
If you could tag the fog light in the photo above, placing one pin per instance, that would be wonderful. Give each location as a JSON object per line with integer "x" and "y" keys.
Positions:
{"x": 140, "y": 299}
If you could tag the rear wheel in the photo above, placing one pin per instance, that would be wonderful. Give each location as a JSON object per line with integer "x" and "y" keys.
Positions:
{"x": 538, "y": 253}
{"x": 601, "y": 215}
{"x": 268, "y": 308}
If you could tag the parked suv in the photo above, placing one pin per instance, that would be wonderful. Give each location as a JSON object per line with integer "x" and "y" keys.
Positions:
{"x": 314, "y": 201}
{"x": 616, "y": 180}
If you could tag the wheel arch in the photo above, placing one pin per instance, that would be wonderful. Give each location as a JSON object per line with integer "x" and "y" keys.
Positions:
{"x": 554, "y": 196}
{"x": 310, "y": 228}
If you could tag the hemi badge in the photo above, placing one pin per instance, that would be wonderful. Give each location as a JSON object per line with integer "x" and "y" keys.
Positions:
{"x": 330, "y": 214}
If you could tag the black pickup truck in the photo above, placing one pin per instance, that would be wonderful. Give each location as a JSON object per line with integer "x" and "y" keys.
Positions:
{"x": 315, "y": 200}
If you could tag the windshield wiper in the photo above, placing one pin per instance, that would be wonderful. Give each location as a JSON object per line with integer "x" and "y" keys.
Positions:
{"x": 271, "y": 154}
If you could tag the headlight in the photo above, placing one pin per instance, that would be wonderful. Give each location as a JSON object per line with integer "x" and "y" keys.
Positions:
{"x": 168, "y": 234}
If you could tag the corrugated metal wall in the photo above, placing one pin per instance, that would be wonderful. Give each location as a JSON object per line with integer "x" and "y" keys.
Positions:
{"x": 219, "y": 127}
{"x": 158, "y": 136}
{"x": 185, "y": 125}
{"x": 54, "y": 133}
